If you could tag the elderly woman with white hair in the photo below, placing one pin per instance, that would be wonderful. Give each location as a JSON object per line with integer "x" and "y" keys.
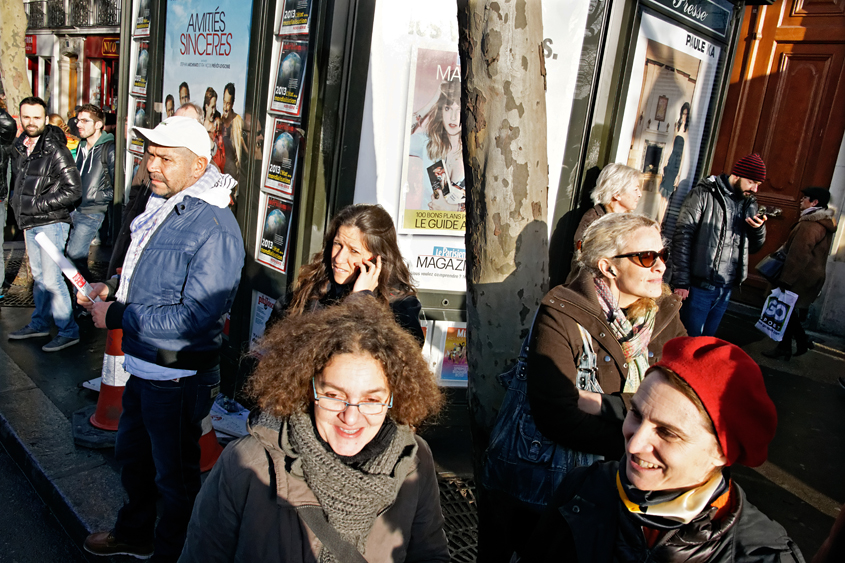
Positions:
{"x": 617, "y": 191}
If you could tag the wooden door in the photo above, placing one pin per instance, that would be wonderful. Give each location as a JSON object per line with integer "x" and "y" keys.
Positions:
{"x": 787, "y": 103}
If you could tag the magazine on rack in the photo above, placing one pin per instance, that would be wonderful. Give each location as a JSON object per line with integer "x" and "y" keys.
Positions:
{"x": 139, "y": 119}
{"x": 287, "y": 94}
{"x": 142, "y": 20}
{"x": 139, "y": 83}
{"x": 274, "y": 232}
{"x": 296, "y": 19}
{"x": 284, "y": 156}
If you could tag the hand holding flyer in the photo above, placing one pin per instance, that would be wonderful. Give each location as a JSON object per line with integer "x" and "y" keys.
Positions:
{"x": 68, "y": 269}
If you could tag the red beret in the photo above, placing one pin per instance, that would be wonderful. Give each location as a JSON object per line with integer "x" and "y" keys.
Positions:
{"x": 731, "y": 387}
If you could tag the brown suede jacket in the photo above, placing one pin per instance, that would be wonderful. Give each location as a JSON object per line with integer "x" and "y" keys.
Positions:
{"x": 806, "y": 255}
{"x": 553, "y": 356}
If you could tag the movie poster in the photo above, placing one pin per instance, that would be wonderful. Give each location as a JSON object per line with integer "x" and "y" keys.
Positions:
{"x": 665, "y": 114}
{"x": 290, "y": 78}
{"x": 206, "y": 50}
{"x": 296, "y": 17}
{"x": 142, "y": 19}
{"x": 274, "y": 232}
{"x": 139, "y": 83}
{"x": 433, "y": 199}
{"x": 284, "y": 156}
{"x": 449, "y": 349}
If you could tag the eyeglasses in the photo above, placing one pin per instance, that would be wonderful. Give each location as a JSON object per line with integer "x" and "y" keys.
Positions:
{"x": 85, "y": 121}
{"x": 339, "y": 405}
{"x": 646, "y": 258}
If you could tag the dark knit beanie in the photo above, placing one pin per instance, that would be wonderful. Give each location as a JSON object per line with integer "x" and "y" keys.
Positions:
{"x": 731, "y": 387}
{"x": 750, "y": 167}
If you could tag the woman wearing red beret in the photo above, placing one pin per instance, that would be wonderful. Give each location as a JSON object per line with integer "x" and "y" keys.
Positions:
{"x": 670, "y": 498}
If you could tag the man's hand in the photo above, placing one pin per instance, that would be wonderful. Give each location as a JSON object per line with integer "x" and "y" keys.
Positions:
{"x": 100, "y": 289}
{"x": 756, "y": 221}
{"x": 368, "y": 275}
{"x": 98, "y": 312}
{"x": 97, "y": 309}
{"x": 682, "y": 293}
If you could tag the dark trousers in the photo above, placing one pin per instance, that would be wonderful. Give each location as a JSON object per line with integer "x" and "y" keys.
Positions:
{"x": 504, "y": 526}
{"x": 794, "y": 330}
{"x": 158, "y": 450}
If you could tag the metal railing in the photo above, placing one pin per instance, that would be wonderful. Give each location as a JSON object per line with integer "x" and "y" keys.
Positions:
{"x": 46, "y": 14}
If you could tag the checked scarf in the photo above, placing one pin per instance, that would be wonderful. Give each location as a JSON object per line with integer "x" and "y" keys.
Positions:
{"x": 632, "y": 336}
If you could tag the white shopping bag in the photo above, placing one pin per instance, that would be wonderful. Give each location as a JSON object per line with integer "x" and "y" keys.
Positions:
{"x": 776, "y": 312}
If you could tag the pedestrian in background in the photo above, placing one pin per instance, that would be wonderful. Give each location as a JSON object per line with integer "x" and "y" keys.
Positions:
{"x": 178, "y": 281}
{"x": 46, "y": 188}
{"x": 717, "y": 229}
{"x": 95, "y": 161}
{"x": 701, "y": 410}
{"x": 617, "y": 191}
{"x": 331, "y": 450}
{"x": 8, "y": 130}
{"x": 72, "y": 140}
{"x": 803, "y": 271}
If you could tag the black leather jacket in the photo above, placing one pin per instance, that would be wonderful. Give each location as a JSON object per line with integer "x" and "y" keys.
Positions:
{"x": 587, "y": 522}
{"x": 707, "y": 220}
{"x": 8, "y": 129}
{"x": 46, "y": 182}
{"x": 97, "y": 182}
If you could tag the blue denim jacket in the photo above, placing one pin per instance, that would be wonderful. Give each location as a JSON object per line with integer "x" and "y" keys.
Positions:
{"x": 182, "y": 287}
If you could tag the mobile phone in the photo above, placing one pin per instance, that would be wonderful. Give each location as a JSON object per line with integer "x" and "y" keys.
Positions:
{"x": 761, "y": 212}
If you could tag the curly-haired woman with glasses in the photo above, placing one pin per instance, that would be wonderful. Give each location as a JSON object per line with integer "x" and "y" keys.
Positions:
{"x": 627, "y": 314}
{"x": 339, "y": 392}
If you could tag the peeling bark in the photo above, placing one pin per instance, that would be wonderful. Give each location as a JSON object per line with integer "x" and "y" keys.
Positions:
{"x": 12, "y": 53}
{"x": 504, "y": 134}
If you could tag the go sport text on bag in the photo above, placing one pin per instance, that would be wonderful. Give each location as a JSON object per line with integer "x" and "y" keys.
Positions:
{"x": 520, "y": 461}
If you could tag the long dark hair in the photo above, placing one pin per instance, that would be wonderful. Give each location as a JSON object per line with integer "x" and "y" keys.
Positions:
{"x": 681, "y": 116}
{"x": 439, "y": 144}
{"x": 376, "y": 225}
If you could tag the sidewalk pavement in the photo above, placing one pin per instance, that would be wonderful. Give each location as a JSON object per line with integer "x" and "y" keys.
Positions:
{"x": 800, "y": 486}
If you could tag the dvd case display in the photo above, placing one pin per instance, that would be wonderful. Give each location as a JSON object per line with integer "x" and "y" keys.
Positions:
{"x": 274, "y": 232}
{"x": 290, "y": 78}
{"x": 296, "y": 18}
{"x": 142, "y": 20}
{"x": 139, "y": 83}
{"x": 284, "y": 157}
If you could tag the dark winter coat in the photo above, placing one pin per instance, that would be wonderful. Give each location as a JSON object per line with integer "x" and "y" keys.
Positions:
{"x": 46, "y": 182}
{"x": 587, "y": 523}
{"x": 8, "y": 130}
{"x": 806, "y": 250}
{"x": 246, "y": 510}
{"x": 701, "y": 251}
{"x": 139, "y": 194}
{"x": 406, "y": 308}
{"x": 97, "y": 181}
{"x": 555, "y": 348}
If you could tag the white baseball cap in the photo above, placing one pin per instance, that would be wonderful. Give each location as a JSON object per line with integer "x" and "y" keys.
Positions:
{"x": 179, "y": 131}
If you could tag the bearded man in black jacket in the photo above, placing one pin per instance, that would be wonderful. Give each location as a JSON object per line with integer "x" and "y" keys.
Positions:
{"x": 46, "y": 188}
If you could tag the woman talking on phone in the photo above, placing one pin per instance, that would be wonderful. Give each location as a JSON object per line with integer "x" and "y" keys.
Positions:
{"x": 360, "y": 255}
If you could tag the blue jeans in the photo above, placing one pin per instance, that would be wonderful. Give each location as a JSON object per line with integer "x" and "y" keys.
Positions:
{"x": 51, "y": 295}
{"x": 703, "y": 310}
{"x": 158, "y": 450}
{"x": 85, "y": 227}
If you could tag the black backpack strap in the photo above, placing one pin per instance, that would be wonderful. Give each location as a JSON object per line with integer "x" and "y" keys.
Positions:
{"x": 343, "y": 550}
{"x": 104, "y": 159}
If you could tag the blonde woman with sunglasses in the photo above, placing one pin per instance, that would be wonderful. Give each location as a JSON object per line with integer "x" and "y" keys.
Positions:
{"x": 627, "y": 314}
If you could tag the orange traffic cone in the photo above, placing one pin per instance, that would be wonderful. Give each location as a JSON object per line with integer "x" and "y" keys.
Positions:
{"x": 109, "y": 405}
{"x": 210, "y": 448}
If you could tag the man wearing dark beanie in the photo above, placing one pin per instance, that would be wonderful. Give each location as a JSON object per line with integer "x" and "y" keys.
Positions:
{"x": 717, "y": 229}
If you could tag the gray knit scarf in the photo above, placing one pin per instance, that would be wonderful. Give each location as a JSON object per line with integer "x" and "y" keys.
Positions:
{"x": 350, "y": 498}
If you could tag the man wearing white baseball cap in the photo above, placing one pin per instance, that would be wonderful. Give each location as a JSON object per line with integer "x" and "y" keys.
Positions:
{"x": 179, "y": 279}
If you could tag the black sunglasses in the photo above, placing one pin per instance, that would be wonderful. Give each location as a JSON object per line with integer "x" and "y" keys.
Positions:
{"x": 646, "y": 258}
